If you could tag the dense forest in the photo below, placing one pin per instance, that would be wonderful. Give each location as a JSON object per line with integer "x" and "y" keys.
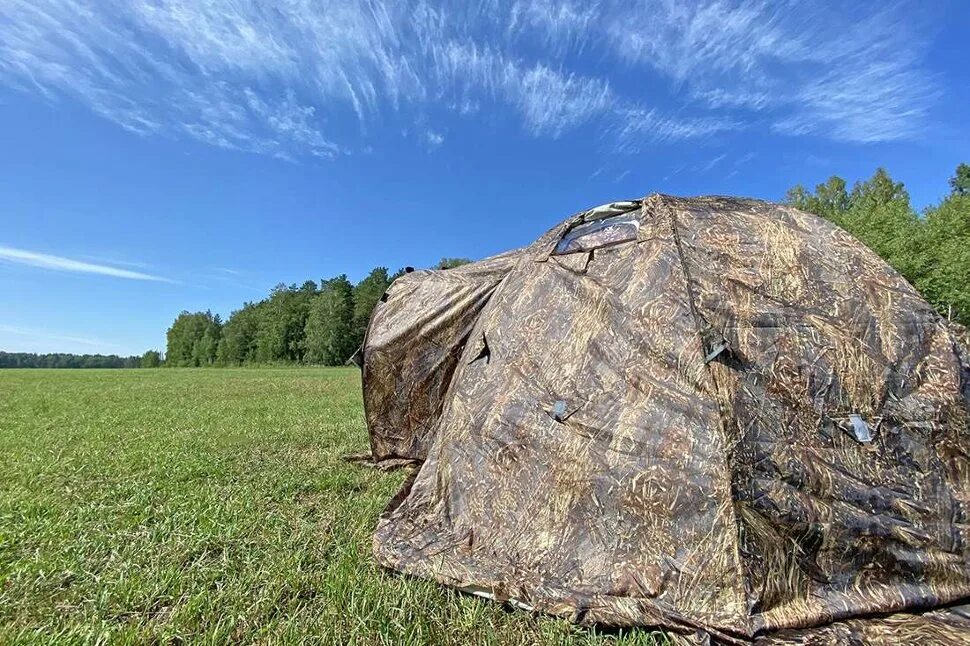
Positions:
{"x": 62, "y": 360}
{"x": 313, "y": 323}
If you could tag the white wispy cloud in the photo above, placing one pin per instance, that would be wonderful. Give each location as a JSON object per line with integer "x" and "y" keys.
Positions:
{"x": 275, "y": 79}
{"x": 719, "y": 98}
{"x": 433, "y": 139}
{"x": 711, "y": 163}
{"x": 847, "y": 72}
{"x": 59, "y": 263}
{"x": 637, "y": 127}
{"x": 687, "y": 41}
{"x": 548, "y": 101}
{"x": 110, "y": 260}
{"x": 564, "y": 26}
{"x": 738, "y": 163}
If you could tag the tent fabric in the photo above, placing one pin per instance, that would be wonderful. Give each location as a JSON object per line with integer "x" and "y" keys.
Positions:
{"x": 742, "y": 423}
{"x": 416, "y": 336}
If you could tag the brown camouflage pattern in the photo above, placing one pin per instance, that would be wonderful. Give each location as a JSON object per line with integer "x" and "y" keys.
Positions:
{"x": 702, "y": 474}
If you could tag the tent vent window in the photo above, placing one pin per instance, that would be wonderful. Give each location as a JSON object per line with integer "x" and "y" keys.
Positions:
{"x": 599, "y": 233}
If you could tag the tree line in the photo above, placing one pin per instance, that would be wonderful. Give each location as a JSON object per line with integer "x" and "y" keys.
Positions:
{"x": 313, "y": 323}
{"x": 66, "y": 360}
{"x": 930, "y": 249}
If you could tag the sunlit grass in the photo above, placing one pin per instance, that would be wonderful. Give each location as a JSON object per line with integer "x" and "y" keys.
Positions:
{"x": 212, "y": 506}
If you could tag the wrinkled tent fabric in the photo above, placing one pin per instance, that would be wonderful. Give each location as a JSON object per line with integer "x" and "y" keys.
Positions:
{"x": 742, "y": 423}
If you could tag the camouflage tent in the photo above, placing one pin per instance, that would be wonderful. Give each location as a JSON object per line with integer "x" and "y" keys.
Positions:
{"x": 725, "y": 417}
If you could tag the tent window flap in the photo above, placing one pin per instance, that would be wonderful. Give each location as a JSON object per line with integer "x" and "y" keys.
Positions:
{"x": 599, "y": 233}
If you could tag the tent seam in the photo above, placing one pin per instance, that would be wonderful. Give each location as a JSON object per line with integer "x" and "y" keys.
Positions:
{"x": 700, "y": 325}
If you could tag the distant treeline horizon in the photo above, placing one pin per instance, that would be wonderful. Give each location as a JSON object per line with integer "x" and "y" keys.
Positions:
{"x": 323, "y": 323}
{"x": 69, "y": 360}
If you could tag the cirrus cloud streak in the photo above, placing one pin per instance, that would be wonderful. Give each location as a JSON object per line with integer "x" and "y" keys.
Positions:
{"x": 286, "y": 79}
{"x": 60, "y": 263}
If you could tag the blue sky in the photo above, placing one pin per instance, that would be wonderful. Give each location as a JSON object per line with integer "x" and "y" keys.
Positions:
{"x": 160, "y": 155}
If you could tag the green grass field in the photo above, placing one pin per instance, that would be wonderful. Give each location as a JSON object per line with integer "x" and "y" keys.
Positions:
{"x": 209, "y": 506}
